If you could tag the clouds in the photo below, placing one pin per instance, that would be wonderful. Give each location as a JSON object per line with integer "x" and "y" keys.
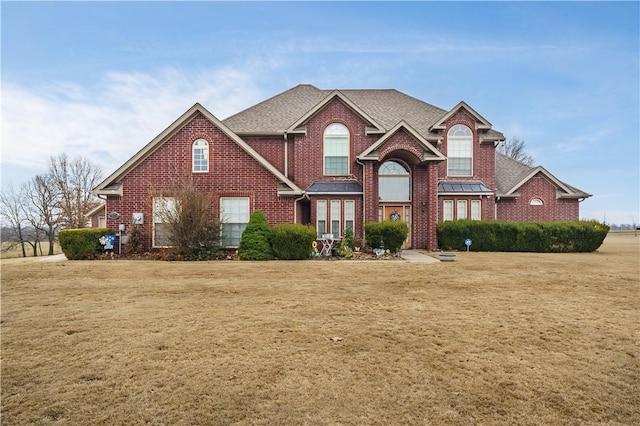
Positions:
{"x": 110, "y": 122}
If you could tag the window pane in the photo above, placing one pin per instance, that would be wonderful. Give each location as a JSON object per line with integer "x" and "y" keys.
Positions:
{"x": 394, "y": 188}
{"x": 349, "y": 214}
{"x": 460, "y": 151}
{"x": 475, "y": 210}
{"x": 321, "y": 215}
{"x": 336, "y": 166}
{"x": 448, "y": 210}
{"x": 335, "y": 218}
{"x": 462, "y": 209}
{"x": 200, "y": 156}
{"x": 336, "y": 150}
{"x": 234, "y": 215}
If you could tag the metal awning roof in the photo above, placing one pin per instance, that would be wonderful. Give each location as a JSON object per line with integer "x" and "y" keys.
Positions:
{"x": 335, "y": 187}
{"x": 463, "y": 187}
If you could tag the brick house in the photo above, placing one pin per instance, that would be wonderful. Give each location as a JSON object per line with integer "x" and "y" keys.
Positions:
{"x": 336, "y": 159}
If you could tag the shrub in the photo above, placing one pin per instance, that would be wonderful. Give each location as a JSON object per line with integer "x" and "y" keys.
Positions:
{"x": 82, "y": 243}
{"x": 388, "y": 234}
{"x": 135, "y": 240}
{"x": 292, "y": 241}
{"x": 192, "y": 227}
{"x": 540, "y": 237}
{"x": 255, "y": 243}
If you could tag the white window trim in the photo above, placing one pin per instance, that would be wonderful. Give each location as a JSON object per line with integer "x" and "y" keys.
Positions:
{"x": 193, "y": 156}
{"x": 536, "y": 201}
{"x": 347, "y": 134}
{"x": 464, "y": 209}
{"x": 477, "y": 203}
{"x": 460, "y": 138}
{"x": 335, "y": 213}
{"x": 156, "y": 201}
{"x": 350, "y": 213}
{"x": 321, "y": 215}
{"x": 444, "y": 210}
{"x": 223, "y": 219}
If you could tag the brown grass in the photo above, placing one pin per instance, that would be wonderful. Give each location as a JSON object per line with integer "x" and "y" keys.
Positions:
{"x": 490, "y": 339}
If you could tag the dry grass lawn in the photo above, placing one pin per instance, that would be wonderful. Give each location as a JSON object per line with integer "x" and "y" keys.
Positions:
{"x": 513, "y": 339}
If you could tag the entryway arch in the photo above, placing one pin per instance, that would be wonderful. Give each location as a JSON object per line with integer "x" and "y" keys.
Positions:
{"x": 394, "y": 193}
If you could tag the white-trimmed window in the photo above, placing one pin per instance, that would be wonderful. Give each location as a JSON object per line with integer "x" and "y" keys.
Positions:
{"x": 447, "y": 210}
{"x": 200, "y": 155}
{"x": 536, "y": 202}
{"x": 335, "y": 218}
{"x": 349, "y": 215}
{"x": 321, "y": 217}
{"x": 476, "y": 209}
{"x": 234, "y": 215}
{"x": 336, "y": 150}
{"x": 393, "y": 182}
{"x": 462, "y": 209}
{"x": 164, "y": 210}
{"x": 460, "y": 151}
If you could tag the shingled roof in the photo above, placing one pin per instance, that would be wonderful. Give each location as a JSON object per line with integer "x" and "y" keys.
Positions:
{"x": 387, "y": 107}
{"x": 511, "y": 174}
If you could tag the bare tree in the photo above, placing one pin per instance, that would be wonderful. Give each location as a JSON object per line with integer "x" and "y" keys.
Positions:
{"x": 74, "y": 179}
{"x": 13, "y": 218}
{"x": 187, "y": 221}
{"x": 515, "y": 148}
{"x": 42, "y": 211}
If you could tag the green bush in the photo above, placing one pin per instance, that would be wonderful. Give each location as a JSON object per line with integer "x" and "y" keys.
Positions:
{"x": 388, "y": 234}
{"x": 255, "y": 243}
{"x": 292, "y": 241}
{"x": 539, "y": 237}
{"x": 82, "y": 243}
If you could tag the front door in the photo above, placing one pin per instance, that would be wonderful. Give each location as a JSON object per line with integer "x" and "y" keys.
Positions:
{"x": 399, "y": 212}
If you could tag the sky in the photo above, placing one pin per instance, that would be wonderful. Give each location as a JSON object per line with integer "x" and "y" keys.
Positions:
{"x": 102, "y": 79}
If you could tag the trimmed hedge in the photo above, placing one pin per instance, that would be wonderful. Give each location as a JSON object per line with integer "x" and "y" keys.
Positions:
{"x": 392, "y": 234}
{"x": 292, "y": 241}
{"x": 539, "y": 237}
{"x": 255, "y": 243}
{"x": 81, "y": 243}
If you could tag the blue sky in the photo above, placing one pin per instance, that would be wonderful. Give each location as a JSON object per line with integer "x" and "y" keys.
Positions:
{"x": 103, "y": 79}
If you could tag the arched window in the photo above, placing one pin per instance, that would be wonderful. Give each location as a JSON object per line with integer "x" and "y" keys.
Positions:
{"x": 536, "y": 202}
{"x": 336, "y": 150}
{"x": 200, "y": 154}
{"x": 460, "y": 151}
{"x": 393, "y": 182}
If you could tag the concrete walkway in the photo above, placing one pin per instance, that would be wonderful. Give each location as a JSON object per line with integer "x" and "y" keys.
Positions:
{"x": 416, "y": 256}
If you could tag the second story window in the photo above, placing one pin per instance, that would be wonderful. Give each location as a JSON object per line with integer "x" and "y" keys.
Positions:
{"x": 200, "y": 156}
{"x": 460, "y": 151}
{"x": 336, "y": 150}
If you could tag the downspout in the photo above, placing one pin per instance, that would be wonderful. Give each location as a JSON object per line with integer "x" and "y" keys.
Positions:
{"x": 286, "y": 155}
{"x": 364, "y": 198}
{"x": 295, "y": 206}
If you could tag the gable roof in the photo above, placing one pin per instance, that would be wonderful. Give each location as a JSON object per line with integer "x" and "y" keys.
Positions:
{"x": 431, "y": 153}
{"x": 112, "y": 185}
{"x": 512, "y": 174}
{"x": 332, "y": 95}
{"x": 384, "y": 108}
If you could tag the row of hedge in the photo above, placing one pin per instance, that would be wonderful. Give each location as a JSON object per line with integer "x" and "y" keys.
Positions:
{"x": 540, "y": 237}
{"x": 286, "y": 241}
{"x": 82, "y": 243}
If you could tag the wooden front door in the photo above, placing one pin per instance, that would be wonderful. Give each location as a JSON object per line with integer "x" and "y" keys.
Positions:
{"x": 399, "y": 212}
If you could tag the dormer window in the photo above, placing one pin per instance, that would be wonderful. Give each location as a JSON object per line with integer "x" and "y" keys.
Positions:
{"x": 460, "y": 151}
{"x": 336, "y": 150}
{"x": 200, "y": 154}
